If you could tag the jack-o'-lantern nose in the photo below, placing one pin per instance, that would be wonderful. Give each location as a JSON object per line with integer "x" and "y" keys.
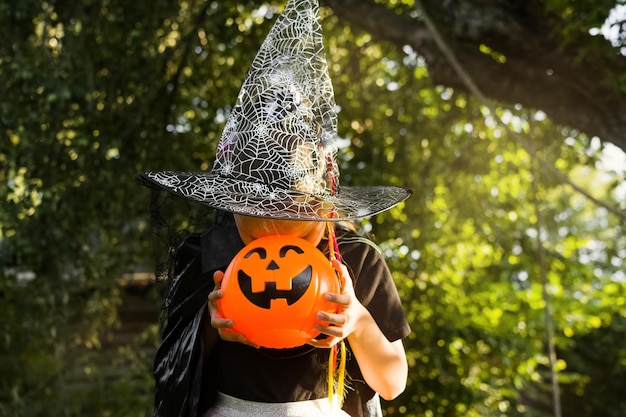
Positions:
{"x": 272, "y": 266}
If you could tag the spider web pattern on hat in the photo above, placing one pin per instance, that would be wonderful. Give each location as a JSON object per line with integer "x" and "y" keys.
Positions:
{"x": 277, "y": 153}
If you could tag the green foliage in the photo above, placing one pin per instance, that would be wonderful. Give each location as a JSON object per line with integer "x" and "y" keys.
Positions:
{"x": 91, "y": 93}
{"x": 465, "y": 247}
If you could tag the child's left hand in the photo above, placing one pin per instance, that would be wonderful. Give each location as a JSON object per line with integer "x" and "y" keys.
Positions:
{"x": 349, "y": 312}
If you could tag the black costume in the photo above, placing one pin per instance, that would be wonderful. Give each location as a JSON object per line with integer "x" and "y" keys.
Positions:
{"x": 185, "y": 385}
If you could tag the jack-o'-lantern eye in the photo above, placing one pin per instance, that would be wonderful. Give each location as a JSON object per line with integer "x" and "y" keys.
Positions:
{"x": 285, "y": 249}
{"x": 259, "y": 251}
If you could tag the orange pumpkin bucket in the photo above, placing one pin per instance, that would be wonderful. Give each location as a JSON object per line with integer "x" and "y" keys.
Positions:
{"x": 273, "y": 289}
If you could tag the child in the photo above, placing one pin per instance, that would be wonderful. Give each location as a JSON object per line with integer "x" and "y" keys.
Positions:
{"x": 275, "y": 173}
{"x": 374, "y": 338}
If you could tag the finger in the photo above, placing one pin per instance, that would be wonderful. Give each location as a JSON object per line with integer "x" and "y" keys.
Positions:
{"x": 231, "y": 335}
{"x": 342, "y": 299}
{"x": 215, "y": 295}
{"x": 332, "y": 331}
{"x": 336, "y": 319}
{"x": 217, "y": 278}
{"x": 222, "y": 323}
{"x": 245, "y": 341}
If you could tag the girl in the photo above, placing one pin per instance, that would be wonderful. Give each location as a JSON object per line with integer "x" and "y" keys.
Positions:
{"x": 276, "y": 172}
{"x": 292, "y": 381}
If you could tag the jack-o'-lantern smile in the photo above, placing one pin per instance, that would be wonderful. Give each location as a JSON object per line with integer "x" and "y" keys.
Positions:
{"x": 272, "y": 282}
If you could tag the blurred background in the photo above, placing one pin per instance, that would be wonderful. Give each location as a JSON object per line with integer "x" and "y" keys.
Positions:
{"x": 507, "y": 119}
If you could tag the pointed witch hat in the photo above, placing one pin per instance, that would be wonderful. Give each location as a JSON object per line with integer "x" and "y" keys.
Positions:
{"x": 277, "y": 154}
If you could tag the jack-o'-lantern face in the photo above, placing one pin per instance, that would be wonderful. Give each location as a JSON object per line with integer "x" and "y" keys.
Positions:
{"x": 273, "y": 289}
{"x": 278, "y": 276}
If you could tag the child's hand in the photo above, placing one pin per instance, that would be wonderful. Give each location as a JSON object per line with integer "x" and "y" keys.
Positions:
{"x": 224, "y": 326}
{"x": 349, "y": 311}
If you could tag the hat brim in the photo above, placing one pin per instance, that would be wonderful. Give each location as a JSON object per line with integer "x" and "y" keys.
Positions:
{"x": 260, "y": 200}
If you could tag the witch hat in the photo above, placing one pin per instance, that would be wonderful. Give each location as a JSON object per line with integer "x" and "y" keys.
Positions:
{"x": 277, "y": 154}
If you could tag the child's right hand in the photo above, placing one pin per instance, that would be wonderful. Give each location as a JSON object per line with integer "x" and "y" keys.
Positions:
{"x": 224, "y": 326}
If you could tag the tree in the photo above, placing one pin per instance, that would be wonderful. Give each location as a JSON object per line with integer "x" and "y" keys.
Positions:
{"x": 539, "y": 54}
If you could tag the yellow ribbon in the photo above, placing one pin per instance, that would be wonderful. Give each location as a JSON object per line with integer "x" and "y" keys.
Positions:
{"x": 332, "y": 359}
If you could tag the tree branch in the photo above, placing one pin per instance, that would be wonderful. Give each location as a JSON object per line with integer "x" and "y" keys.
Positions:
{"x": 575, "y": 84}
